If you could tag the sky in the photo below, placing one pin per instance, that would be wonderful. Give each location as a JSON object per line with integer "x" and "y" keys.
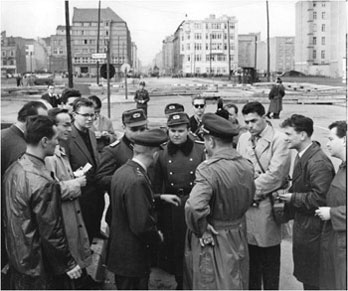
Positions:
{"x": 149, "y": 22}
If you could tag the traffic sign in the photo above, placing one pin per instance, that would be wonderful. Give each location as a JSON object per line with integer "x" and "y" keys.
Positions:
{"x": 103, "y": 72}
{"x": 125, "y": 67}
{"x": 99, "y": 56}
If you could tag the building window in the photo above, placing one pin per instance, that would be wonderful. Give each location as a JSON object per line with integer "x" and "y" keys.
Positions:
{"x": 314, "y": 54}
{"x": 323, "y": 15}
{"x": 3, "y": 54}
{"x": 314, "y": 40}
{"x": 85, "y": 41}
{"x": 323, "y": 4}
{"x": 198, "y": 36}
{"x": 107, "y": 33}
{"x": 61, "y": 51}
{"x": 314, "y": 4}
{"x": 188, "y": 58}
{"x": 314, "y": 15}
{"x": 323, "y": 27}
{"x": 198, "y": 58}
{"x": 323, "y": 40}
{"x": 323, "y": 54}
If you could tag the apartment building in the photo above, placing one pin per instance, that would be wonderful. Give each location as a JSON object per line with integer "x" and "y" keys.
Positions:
{"x": 206, "y": 46}
{"x": 168, "y": 55}
{"x": 113, "y": 30}
{"x": 321, "y": 28}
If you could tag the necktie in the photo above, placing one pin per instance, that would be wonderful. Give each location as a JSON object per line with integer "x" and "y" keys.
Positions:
{"x": 296, "y": 165}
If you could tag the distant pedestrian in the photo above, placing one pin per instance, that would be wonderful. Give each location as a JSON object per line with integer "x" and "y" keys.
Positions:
{"x": 276, "y": 99}
{"x": 18, "y": 80}
{"x": 312, "y": 175}
{"x": 142, "y": 97}
{"x": 333, "y": 245}
{"x": 216, "y": 251}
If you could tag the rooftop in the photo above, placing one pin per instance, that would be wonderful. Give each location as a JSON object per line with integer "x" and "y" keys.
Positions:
{"x": 91, "y": 15}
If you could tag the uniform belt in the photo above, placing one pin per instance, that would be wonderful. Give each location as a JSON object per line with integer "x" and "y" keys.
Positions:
{"x": 222, "y": 224}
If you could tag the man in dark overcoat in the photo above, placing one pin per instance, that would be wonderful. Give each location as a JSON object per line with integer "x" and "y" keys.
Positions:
{"x": 311, "y": 179}
{"x": 133, "y": 230}
{"x": 175, "y": 174}
{"x": 276, "y": 99}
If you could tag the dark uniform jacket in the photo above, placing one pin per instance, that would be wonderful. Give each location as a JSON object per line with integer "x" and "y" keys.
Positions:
{"x": 175, "y": 174}
{"x": 143, "y": 96}
{"x": 223, "y": 191}
{"x": 195, "y": 127}
{"x": 311, "y": 180}
{"x": 35, "y": 238}
{"x": 91, "y": 199}
{"x": 53, "y": 100}
{"x": 133, "y": 228}
{"x": 333, "y": 261}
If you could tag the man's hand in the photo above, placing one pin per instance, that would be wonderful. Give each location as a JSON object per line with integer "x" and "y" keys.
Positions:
{"x": 171, "y": 198}
{"x": 207, "y": 237}
{"x": 82, "y": 181}
{"x": 323, "y": 213}
{"x": 285, "y": 196}
{"x": 75, "y": 273}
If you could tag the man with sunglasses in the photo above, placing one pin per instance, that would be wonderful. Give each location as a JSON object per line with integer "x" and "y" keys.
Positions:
{"x": 81, "y": 148}
{"x": 119, "y": 152}
{"x": 199, "y": 105}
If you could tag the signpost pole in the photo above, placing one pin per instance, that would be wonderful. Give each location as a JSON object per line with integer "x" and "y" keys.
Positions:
{"x": 125, "y": 83}
{"x": 108, "y": 76}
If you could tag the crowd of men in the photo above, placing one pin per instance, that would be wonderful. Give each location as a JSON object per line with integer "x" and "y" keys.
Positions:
{"x": 193, "y": 197}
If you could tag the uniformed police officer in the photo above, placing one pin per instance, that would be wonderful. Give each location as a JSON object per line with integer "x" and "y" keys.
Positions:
{"x": 142, "y": 97}
{"x": 175, "y": 174}
{"x": 173, "y": 108}
{"x": 118, "y": 153}
{"x": 133, "y": 230}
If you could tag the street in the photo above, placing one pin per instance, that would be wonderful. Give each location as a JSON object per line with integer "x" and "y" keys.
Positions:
{"x": 322, "y": 115}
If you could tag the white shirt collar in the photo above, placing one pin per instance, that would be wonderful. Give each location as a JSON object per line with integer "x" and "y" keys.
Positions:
{"x": 301, "y": 153}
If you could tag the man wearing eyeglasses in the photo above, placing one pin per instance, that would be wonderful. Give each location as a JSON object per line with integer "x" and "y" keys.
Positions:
{"x": 119, "y": 152}
{"x": 199, "y": 105}
{"x": 81, "y": 149}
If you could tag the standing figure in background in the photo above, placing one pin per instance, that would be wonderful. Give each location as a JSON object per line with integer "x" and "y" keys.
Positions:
{"x": 69, "y": 95}
{"x": 333, "y": 245}
{"x": 102, "y": 126}
{"x": 142, "y": 97}
{"x": 276, "y": 99}
{"x": 216, "y": 251}
{"x": 51, "y": 97}
{"x": 311, "y": 179}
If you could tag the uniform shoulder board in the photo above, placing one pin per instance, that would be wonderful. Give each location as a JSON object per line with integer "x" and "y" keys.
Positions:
{"x": 115, "y": 143}
{"x": 164, "y": 144}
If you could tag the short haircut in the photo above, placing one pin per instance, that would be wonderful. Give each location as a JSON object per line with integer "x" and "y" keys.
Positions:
{"x": 82, "y": 102}
{"x": 96, "y": 100}
{"x": 37, "y": 127}
{"x": 52, "y": 113}
{"x": 253, "y": 107}
{"x": 30, "y": 109}
{"x": 199, "y": 97}
{"x": 341, "y": 128}
{"x": 231, "y": 105}
{"x": 67, "y": 93}
{"x": 299, "y": 123}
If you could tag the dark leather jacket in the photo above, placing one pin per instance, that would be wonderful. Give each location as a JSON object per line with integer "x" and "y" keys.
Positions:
{"x": 35, "y": 238}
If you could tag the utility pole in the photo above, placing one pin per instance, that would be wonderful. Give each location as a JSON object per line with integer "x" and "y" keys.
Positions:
{"x": 255, "y": 52}
{"x": 268, "y": 50}
{"x": 229, "y": 50}
{"x": 108, "y": 75}
{"x": 210, "y": 73}
{"x": 98, "y": 40}
{"x": 68, "y": 44}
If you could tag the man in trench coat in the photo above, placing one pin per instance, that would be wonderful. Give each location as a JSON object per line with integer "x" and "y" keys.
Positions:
{"x": 311, "y": 179}
{"x": 216, "y": 252}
